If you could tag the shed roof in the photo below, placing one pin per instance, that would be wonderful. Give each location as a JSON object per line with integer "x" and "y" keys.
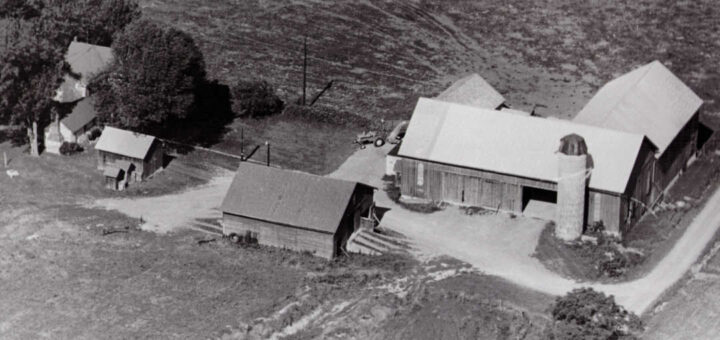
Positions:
{"x": 82, "y": 114}
{"x": 473, "y": 90}
{"x": 125, "y": 143}
{"x": 111, "y": 171}
{"x": 649, "y": 100}
{"x": 288, "y": 197}
{"x": 516, "y": 145}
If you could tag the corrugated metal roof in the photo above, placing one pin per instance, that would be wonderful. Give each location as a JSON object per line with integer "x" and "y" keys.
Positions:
{"x": 649, "y": 100}
{"x": 288, "y": 197}
{"x": 82, "y": 114}
{"x": 473, "y": 90}
{"x": 123, "y": 142}
{"x": 88, "y": 59}
{"x": 516, "y": 145}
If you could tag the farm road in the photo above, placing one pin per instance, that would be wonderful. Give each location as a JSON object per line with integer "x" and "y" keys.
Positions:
{"x": 503, "y": 246}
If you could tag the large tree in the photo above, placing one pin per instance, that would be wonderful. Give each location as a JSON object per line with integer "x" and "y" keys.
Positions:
{"x": 154, "y": 80}
{"x": 92, "y": 21}
{"x": 31, "y": 70}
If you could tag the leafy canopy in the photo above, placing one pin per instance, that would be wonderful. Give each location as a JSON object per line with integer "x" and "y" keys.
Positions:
{"x": 155, "y": 76}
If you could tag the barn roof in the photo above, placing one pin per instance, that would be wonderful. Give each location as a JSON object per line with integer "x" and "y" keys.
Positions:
{"x": 288, "y": 197}
{"x": 82, "y": 114}
{"x": 473, "y": 90}
{"x": 111, "y": 171}
{"x": 125, "y": 143}
{"x": 649, "y": 100}
{"x": 516, "y": 145}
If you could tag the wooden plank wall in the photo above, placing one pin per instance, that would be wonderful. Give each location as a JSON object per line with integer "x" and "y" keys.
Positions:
{"x": 275, "y": 235}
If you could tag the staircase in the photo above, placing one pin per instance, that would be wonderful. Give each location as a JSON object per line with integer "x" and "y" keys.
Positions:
{"x": 370, "y": 242}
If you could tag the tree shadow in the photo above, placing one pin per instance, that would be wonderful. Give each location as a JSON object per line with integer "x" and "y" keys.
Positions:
{"x": 207, "y": 124}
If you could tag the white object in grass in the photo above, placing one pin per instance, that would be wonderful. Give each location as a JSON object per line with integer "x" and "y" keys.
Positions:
{"x": 12, "y": 173}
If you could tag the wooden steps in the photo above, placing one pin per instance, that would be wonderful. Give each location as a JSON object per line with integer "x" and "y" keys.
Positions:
{"x": 373, "y": 243}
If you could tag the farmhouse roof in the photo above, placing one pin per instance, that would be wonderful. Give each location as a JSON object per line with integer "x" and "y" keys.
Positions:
{"x": 649, "y": 100}
{"x": 288, "y": 197}
{"x": 516, "y": 145}
{"x": 125, "y": 143}
{"x": 82, "y": 114}
{"x": 87, "y": 59}
{"x": 473, "y": 90}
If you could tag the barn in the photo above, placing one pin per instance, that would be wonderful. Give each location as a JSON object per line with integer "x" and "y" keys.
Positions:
{"x": 143, "y": 152}
{"x": 640, "y": 131}
{"x": 653, "y": 102}
{"x": 295, "y": 210}
{"x": 473, "y": 90}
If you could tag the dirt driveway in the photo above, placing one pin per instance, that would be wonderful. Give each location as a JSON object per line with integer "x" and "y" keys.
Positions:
{"x": 503, "y": 246}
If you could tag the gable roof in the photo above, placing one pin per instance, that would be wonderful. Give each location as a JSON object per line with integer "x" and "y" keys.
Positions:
{"x": 288, "y": 197}
{"x": 82, "y": 114}
{"x": 516, "y": 145}
{"x": 649, "y": 100}
{"x": 125, "y": 143}
{"x": 472, "y": 90}
{"x": 87, "y": 59}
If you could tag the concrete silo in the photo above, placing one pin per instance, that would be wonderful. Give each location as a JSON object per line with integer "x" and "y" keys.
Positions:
{"x": 573, "y": 176}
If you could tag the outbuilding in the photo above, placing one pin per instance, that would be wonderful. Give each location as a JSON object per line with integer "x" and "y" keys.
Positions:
{"x": 85, "y": 60}
{"x": 143, "y": 153}
{"x": 295, "y": 210}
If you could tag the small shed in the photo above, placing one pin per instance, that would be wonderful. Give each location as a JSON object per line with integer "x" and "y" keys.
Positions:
{"x": 113, "y": 177}
{"x": 142, "y": 151}
{"x": 295, "y": 210}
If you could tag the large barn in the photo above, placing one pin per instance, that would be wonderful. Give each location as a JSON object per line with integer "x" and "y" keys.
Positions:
{"x": 143, "y": 152}
{"x": 480, "y": 157}
{"x": 295, "y": 210}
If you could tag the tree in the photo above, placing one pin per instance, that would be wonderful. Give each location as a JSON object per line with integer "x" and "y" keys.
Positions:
{"x": 92, "y": 21}
{"x": 32, "y": 69}
{"x": 256, "y": 99}
{"x": 154, "y": 78}
{"x": 587, "y": 314}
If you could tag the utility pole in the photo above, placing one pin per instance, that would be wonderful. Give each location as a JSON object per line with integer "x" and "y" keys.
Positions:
{"x": 304, "y": 70}
{"x": 242, "y": 144}
{"x": 268, "y": 152}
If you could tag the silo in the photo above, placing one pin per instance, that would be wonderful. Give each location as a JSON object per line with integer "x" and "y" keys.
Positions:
{"x": 572, "y": 183}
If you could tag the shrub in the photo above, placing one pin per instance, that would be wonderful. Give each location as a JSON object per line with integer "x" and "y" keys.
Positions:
{"x": 70, "y": 148}
{"x": 255, "y": 99}
{"x": 586, "y": 314}
{"x": 94, "y": 133}
{"x": 322, "y": 114}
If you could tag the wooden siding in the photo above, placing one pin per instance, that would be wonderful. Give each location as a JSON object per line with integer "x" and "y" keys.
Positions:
{"x": 318, "y": 243}
{"x": 673, "y": 161}
{"x": 143, "y": 167}
{"x": 275, "y": 235}
{"x": 491, "y": 190}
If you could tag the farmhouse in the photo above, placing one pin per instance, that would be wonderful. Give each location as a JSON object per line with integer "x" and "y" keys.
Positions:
{"x": 294, "y": 210}
{"x": 82, "y": 117}
{"x": 144, "y": 153}
{"x": 639, "y": 132}
{"x": 85, "y": 60}
{"x": 473, "y": 90}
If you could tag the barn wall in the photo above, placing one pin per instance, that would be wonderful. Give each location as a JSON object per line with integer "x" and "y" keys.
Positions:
{"x": 154, "y": 160}
{"x": 105, "y": 158}
{"x": 281, "y": 236}
{"x": 491, "y": 190}
{"x": 673, "y": 161}
{"x": 464, "y": 186}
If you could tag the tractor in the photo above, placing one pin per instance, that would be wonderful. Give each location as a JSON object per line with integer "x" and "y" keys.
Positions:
{"x": 378, "y": 139}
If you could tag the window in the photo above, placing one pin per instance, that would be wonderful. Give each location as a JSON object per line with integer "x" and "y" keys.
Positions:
{"x": 420, "y": 174}
{"x": 648, "y": 183}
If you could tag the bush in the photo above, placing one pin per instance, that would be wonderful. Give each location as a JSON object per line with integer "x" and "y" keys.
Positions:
{"x": 255, "y": 99}
{"x": 94, "y": 133}
{"x": 321, "y": 114}
{"x": 70, "y": 148}
{"x": 587, "y": 314}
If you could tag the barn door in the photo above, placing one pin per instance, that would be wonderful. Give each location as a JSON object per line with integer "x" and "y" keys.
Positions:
{"x": 453, "y": 188}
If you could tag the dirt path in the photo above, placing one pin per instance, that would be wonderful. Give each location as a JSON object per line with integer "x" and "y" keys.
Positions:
{"x": 503, "y": 246}
{"x": 165, "y": 213}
